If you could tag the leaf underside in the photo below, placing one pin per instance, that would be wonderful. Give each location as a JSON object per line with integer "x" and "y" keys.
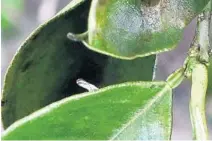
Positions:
{"x": 132, "y": 28}
{"x": 132, "y": 111}
{"x": 46, "y": 67}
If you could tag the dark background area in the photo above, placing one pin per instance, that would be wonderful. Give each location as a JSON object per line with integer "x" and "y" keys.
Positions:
{"x": 24, "y": 16}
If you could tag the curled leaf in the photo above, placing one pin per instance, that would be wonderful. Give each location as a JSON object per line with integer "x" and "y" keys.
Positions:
{"x": 128, "y": 29}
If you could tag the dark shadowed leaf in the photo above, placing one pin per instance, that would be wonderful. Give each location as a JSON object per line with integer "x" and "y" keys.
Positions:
{"x": 46, "y": 67}
{"x": 132, "y": 111}
{"x": 131, "y": 28}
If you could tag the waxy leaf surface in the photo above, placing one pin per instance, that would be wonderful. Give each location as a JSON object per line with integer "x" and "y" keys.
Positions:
{"x": 128, "y": 111}
{"x": 131, "y": 28}
{"x": 47, "y": 65}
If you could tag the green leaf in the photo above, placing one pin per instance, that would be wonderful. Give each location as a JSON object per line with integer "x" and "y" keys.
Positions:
{"x": 47, "y": 65}
{"x": 130, "y": 111}
{"x": 133, "y": 28}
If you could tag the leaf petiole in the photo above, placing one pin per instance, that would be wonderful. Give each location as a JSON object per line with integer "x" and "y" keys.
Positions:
{"x": 77, "y": 37}
{"x": 176, "y": 78}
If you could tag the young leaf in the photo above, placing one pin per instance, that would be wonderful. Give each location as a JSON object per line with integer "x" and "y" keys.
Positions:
{"x": 128, "y": 29}
{"x": 130, "y": 111}
{"x": 47, "y": 66}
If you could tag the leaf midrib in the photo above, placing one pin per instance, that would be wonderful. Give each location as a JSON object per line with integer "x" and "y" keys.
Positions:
{"x": 148, "y": 105}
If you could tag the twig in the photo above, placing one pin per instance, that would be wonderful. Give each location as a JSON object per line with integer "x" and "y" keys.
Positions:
{"x": 198, "y": 68}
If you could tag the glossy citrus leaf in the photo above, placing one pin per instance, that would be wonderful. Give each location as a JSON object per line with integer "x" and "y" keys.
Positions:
{"x": 130, "y": 111}
{"x": 131, "y": 28}
{"x": 47, "y": 65}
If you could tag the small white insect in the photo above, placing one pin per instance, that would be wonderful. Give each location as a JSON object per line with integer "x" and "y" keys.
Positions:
{"x": 86, "y": 85}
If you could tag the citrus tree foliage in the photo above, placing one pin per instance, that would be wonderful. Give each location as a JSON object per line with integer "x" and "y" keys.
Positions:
{"x": 112, "y": 45}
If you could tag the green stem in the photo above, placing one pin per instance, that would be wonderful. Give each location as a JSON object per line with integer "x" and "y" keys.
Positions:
{"x": 203, "y": 35}
{"x": 196, "y": 68}
{"x": 199, "y": 74}
{"x": 78, "y": 37}
{"x": 197, "y": 102}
